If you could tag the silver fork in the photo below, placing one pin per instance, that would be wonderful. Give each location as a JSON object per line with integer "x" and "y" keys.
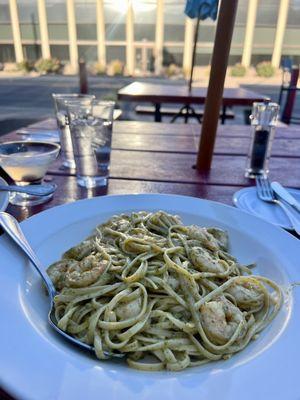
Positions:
{"x": 266, "y": 193}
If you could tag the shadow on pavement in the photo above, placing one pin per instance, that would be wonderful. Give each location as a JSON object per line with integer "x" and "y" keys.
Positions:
{"x": 8, "y": 125}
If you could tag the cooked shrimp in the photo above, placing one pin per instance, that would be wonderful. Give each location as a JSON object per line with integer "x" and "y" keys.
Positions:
{"x": 57, "y": 272}
{"x": 85, "y": 272}
{"x": 203, "y": 236}
{"x": 79, "y": 252}
{"x": 121, "y": 225}
{"x": 221, "y": 237}
{"x": 203, "y": 261}
{"x": 220, "y": 319}
{"x": 247, "y": 294}
{"x": 129, "y": 310}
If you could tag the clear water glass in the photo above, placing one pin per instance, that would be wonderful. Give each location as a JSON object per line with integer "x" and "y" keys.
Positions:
{"x": 263, "y": 121}
{"x": 63, "y": 125}
{"x": 91, "y": 133}
{"x": 27, "y": 163}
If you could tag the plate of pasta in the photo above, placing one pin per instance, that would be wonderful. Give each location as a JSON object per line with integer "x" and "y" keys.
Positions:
{"x": 175, "y": 296}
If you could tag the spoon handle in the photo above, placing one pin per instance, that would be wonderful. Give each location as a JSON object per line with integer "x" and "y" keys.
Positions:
{"x": 13, "y": 229}
{"x": 35, "y": 190}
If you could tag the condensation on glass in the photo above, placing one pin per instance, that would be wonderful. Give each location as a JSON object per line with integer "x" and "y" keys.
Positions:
{"x": 60, "y": 106}
{"x": 91, "y": 132}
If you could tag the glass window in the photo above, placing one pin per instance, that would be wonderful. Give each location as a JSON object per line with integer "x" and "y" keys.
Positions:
{"x": 267, "y": 13}
{"x": 85, "y": 12}
{"x": 257, "y": 58}
{"x": 294, "y": 15}
{"x": 57, "y": 19}
{"x": 4, "y": 11}
{"x": 206, "y": 32}
{"x": 60, "y": 51}
{"x": 142, "y": 32}
{"x": 86, "y": 31}
{"x": 203, "y": 59}
{"x": 174, "y": 19}
{"x": 144, "y": 19}
{"x": 233, "y": 59}
{"x": 241, "y": 16}
{"x": 58, "y": 31}
{"x": 88, "y": 53}
{"x": 115, "y": 53}
{"x": 264, "y": 36}
{"x": 115, "y": 19}
{"x": 27, "y": 11}
{"x": 30, "y": 31}
{"x": 172, "y": 55}
{"x": 32, "y": 52}
{"x": 29, "y": 22}
{"x": 56, "y": 11}
{"x": 7, "y": 53}
{"x": 5, "y": 31}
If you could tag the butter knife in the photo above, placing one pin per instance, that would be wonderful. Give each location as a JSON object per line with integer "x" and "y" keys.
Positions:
{"x": 285, "y": 195}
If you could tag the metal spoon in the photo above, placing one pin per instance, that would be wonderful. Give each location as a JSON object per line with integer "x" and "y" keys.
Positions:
{"x": 35, "y": 190}
{"x": 13, "y": 229}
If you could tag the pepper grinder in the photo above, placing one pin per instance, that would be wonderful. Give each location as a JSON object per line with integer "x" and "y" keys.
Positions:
{"x": 263, "y": 121}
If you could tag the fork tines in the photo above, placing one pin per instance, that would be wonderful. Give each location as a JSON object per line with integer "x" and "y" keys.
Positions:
{"x": 264, "y": 190}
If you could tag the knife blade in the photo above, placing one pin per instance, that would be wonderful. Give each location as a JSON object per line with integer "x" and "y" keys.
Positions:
{"x": 285, "y": 195}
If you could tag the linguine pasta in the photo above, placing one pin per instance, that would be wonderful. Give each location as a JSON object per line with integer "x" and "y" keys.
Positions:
{"x": 167, "y": 295}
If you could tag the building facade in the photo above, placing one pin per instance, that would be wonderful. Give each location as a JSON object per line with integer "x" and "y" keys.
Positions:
{"x": 144, "y": 34}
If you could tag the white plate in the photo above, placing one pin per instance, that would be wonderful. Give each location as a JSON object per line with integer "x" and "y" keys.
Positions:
{"x": 36, "y": 364}
{"x": 246, "y": 199}
{"x": 4, "y": 196}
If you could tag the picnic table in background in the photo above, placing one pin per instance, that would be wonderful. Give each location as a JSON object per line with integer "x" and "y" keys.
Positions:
{"x": 141, "y": 92}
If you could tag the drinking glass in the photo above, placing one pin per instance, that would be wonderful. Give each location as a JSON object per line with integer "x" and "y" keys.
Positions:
{"x": 263, "y": 121}
{"x": 63, "y": 125}
{"x": 91, "y": 133}
{"x": 27, "y": 163}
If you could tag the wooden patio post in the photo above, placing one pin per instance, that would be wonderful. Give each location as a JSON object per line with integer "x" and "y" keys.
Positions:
{"x": 213, "y": 101}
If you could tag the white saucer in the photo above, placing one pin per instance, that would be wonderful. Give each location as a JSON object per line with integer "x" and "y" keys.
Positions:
{"x": 247, "y": 200}
{"x": 4, "y": 196}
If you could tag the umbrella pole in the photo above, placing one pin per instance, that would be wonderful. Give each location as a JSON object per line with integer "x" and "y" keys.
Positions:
{"x": 225, "y": 25}
{"x": 194, "y": 54}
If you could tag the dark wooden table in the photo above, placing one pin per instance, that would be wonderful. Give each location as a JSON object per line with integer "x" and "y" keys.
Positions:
{"x": 157, "y": 94}
{"x": 159, "y": 158}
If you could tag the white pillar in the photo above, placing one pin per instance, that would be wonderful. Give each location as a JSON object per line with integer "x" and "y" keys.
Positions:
{"x": 73, "y": 50}
{"x": 159, "y": 37}
{"x": 130, "y": 51}
{"x": 101, "y": 50}
{"x": 14, "y": 17}
{"x": 43, "y": 29}
{"x": 188, "y": 46}
{"x": 280, "y": 29}
{"x": 249, "y": 33}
